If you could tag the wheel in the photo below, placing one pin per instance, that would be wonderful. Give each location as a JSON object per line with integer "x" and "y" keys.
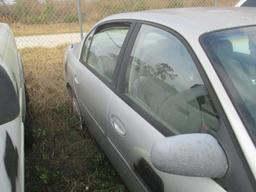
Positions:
{"x": 79, "y": 124}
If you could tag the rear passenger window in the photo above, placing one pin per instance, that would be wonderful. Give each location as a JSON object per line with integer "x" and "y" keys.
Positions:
{"x": 163, "y": 80}
{"x": 104, "y": 50}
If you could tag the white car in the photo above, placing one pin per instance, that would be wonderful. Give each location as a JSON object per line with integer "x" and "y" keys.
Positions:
{"x": 12, "y": 114}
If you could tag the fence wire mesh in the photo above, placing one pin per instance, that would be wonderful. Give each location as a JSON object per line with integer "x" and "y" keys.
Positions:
{"x": 53, "y": 22}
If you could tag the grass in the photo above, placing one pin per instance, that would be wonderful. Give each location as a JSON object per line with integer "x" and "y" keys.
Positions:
{"x": 62, "y": 158}
{"x": 20, "y": 29}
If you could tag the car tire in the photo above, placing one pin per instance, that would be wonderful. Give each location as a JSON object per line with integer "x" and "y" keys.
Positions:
{"x": 80, "y": 124}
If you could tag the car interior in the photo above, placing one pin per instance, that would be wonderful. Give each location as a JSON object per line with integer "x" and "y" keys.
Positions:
{"x": 163, "y": 81}
{"x": 239, "y": 66}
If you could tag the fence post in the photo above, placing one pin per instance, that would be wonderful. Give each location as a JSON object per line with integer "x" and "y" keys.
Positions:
{"x": 215, "y": 3}
{"x": 80, "y": 18}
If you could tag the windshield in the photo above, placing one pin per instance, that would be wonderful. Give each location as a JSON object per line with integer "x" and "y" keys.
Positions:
{"x": 233, "y": 55}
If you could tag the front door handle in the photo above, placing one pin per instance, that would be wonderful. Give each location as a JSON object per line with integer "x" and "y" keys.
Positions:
{"x": 76, "y": 80}
{"x": 118, "y": 126}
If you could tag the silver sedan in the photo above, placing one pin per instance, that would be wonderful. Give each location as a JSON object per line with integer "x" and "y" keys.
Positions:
{"x": 170, "y": 97}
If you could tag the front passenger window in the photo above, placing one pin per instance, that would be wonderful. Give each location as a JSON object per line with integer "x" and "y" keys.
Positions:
{"x": 163, "y": 80}
{"x": 104, "y": 50}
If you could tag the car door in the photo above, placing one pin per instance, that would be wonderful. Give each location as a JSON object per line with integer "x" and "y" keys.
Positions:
{"x": 95, "y": 73}
{"x": 161, "y": 93}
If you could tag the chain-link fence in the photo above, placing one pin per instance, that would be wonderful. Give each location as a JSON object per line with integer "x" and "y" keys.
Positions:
{"x": 95, "y": 10}
{"x": 32, "y": 20}
{"x": 40, "y": 20}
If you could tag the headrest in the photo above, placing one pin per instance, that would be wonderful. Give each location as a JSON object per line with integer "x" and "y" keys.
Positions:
{"x": 222, "y": 48}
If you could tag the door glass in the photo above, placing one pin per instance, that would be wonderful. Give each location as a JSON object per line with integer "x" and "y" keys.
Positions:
{"x": 163, "y": 80}
{"x": 104, "y": 51}
{"x": 86, "y": 46}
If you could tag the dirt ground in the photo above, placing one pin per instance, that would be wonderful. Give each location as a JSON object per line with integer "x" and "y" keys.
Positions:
{"x": 62, "y": 158}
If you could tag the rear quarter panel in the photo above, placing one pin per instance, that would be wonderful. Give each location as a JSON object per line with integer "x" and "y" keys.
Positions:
{"x": 70, "y": 61}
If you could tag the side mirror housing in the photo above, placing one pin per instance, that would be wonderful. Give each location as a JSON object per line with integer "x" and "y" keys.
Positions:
{"x": 197, "y": 155}
{"x": 9, "y": 101}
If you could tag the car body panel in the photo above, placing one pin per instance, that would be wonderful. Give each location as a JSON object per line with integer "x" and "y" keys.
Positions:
{"x": 128, "y": 133}
{"x": 71, "y": 63}
{"x": 12, "y": 133}
{"x": 95, "y": 103}
{"x": 136, "y": 147}
{"x": 14, "y": 155}
{"x": 11, "y": 61}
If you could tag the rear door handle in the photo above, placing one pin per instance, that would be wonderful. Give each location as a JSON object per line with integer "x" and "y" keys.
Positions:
{"x": 118, "y": 126}
{"x": 76, "y": 80}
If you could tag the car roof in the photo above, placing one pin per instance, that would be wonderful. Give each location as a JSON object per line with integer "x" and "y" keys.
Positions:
{"x": 194, "y": 21}
{"x": 246, "y": 3}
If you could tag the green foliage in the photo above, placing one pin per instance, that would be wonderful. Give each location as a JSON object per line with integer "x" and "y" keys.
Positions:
{"x": 177, "y": 4}
{"x": 70, "y": 18}
{"x": 42, "y": 174}
{"x": 34, "y": 12}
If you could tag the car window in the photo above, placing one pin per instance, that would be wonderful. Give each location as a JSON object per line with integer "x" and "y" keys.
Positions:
{"x": 240, "y": 45}
{"x": 104, "y": 50}
{"x": 233, "y": 54}
{"x": 163, "y": 80}
{"x": 85, "y": 48}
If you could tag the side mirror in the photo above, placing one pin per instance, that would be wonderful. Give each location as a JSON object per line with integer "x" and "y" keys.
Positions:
{"x": 196, "y": 155}
{"x": 9, "y": 101}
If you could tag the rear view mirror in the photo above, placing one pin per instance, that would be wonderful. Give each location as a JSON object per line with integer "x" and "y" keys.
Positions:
{"x": 9, "y": 102}
{"x": 197, "y": 155}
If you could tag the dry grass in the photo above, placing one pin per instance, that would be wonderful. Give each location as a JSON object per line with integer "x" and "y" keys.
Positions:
{"x": 39, "y": 29}
{"x": 62, "y": 159}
